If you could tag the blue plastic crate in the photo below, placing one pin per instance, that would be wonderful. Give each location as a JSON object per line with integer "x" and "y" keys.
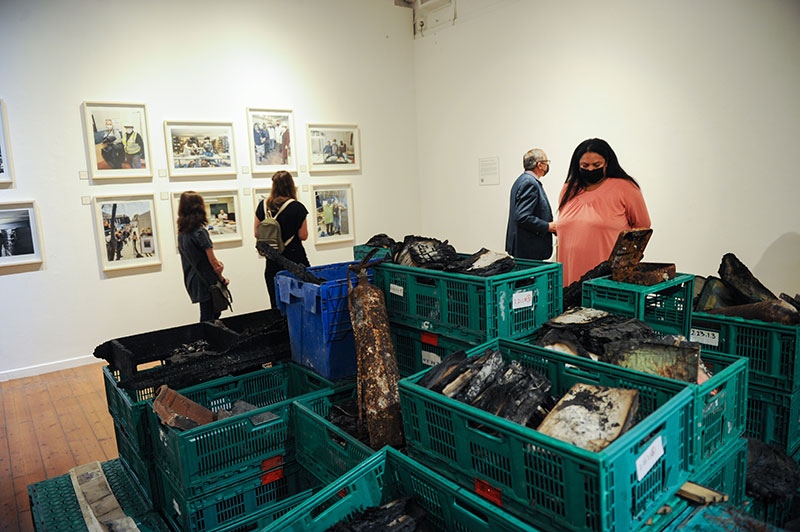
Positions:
{"x": 320, "y": 332}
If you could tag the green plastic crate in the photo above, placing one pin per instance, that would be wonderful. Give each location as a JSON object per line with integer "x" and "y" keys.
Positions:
{"x": 387, "y": 476}
{"x": 720, "y": 403}
{"x": 360, "y": 251}
{"x": 546, "y": 482}
{"x": 210, "y": 456}
{"x": 725, "y": 472}
{"x": 323, "y": 448}
{"x": 774, "y": 417}
{"x": 247, "y": 505}
{"x": 666, "y": 307}
{"x": 55, "y": 507}
{"x": 128, "y": 408}
{"x": 416, "y": 350}
{"x": 470, "y": 308}
{"x": 773, "y": 349}
{"x": 141, "y": 470}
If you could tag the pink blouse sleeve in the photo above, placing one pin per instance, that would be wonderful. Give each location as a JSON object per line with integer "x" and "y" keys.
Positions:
{"x": 636, "y": 208}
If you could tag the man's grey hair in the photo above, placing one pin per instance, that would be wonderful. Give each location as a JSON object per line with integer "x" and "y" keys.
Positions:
{"x": 532, "y": 158}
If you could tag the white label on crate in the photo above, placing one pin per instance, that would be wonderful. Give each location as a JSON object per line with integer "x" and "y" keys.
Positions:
{"x": 649, "y": 458}
{"x": 396, "y": 289}
{"x": 430, "y": 359}
{"x": 704, "y": 337}
{"x": 522, "y": 300}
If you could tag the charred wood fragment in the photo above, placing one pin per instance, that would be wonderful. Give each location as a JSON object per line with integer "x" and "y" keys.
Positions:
{"x": 739, "y": 278}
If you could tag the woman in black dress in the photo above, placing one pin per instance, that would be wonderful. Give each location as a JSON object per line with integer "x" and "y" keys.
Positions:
{"x": 292, "y": 219}
{"x": 197, "y": 253}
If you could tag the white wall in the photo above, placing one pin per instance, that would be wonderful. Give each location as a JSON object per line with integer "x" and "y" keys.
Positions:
{"x": 698, "y": 99}
{"x": 187, "y": 60}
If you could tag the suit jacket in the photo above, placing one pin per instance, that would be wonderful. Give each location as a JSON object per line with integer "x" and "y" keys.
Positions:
{"x": 529, "y": 216}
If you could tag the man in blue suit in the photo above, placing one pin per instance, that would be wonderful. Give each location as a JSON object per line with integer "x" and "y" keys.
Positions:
{"x": 530, "y": 220}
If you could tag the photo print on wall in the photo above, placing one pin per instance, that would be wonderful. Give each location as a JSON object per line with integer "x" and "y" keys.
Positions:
{"x": 200, "y": 149}
{"x": 19, "y": 234}
{"x": 6, "y": 170}
{"x": 272, "y": 146}
{"x": 333, "y": 213}
{"x": 259, "y": 194}
{"x": 118, "y": 140}
{"x": 222, "y": 212}
{"x": 127, "y": 232}
{"x": 333, "y": 148}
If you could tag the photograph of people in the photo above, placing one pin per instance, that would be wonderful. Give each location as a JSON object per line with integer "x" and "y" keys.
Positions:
{"x": 271, "y": 140}
{"x": 200, "y": 149}
{"x": 125, "y": 224}
{"x": 332, "y": 213}
{"x": 119, "y": 135}
{"x": 16, "y": 233}
{"x": 333, "y": 148}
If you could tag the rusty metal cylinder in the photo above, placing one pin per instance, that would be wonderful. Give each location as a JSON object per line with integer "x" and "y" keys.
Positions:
{"x": 378, "y": 393}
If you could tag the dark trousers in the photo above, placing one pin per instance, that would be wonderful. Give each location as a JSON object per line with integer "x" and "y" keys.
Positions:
{"x": 270, "y": 272}
{"x": 207, "y": 310}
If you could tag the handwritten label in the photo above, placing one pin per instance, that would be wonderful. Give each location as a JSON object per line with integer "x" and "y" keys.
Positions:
{"x": 522, "y": 300}
{"x": 430, "y": 359}
{"x": 702, "y": 336}
{"x": 396, "y": 289}
{"x": 649, "y": 458}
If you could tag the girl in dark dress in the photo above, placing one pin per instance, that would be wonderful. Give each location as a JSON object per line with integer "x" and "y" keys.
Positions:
{"x": 294, "y": 227}
{"x": 195, "y": 246}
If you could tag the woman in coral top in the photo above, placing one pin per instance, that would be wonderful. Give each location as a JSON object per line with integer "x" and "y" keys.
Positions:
{"x": 598, "y": 200}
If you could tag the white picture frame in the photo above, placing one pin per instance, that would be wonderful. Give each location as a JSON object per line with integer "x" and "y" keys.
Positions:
{"x": 339, "y": 228}
{"x": 220, "y": 229}
{"x": 278, "y": 152}
{"x": 322, "y": 157}
{"x": 136, "y": 221}
{"x": 130, "y": 148}
{"x": 20, "y": 238}
{"x": 199, "y": 149}
{"x": 260, "y": 193}
{"x": 6, "y": 160}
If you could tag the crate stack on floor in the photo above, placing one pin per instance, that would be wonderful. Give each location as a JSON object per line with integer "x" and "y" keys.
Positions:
{"x": 434, "y": 313}
{"x": 239, "y": 472}
{"x": 773, "y": 402}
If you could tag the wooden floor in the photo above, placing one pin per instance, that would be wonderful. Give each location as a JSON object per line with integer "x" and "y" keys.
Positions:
{"x": 49, "y": 424}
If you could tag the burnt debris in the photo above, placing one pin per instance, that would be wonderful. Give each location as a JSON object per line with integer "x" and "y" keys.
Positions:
{"x": 772, "y": 475}
{"x": 738, "y": 293}
{"x": 399, "y": 515}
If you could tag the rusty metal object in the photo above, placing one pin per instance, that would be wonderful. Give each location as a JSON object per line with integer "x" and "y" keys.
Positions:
{"x": 626, "y": 257}
{"x": 378, "y": 393}
{"x": 645, "y": 274}
{"x": 775, "y": 311}
{"x": 739, "y": 278}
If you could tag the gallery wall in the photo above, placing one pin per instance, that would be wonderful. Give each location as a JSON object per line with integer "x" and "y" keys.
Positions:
{"x": 698, "y": 99}
{"x": 344, "y": 62}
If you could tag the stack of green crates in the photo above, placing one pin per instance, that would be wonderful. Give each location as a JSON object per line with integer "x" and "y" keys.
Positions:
{"x": 773, "y": 406}
{"x": 237, "y": 472}
{"x": 433, "y": 313}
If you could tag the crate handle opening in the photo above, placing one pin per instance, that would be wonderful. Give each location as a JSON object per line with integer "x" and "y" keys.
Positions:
{"x": 469, "y": 511}
{"x": 486, "y": 432}
{"x": 428, "y": 281}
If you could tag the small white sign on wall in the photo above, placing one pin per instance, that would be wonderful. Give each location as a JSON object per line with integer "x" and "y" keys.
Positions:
{"x": 489, "y": 171}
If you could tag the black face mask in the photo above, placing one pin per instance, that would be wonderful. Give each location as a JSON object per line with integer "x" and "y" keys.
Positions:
{"x": 590, "y": 177}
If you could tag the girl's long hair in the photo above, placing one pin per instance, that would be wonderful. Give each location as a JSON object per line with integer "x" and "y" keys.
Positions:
{"x": 191, "y": 212}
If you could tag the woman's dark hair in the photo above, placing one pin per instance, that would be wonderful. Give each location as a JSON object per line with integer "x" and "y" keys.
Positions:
{"x": 613, "y": 170}
{"x": 282, "y": 189}
{"x": 191, "y": 212}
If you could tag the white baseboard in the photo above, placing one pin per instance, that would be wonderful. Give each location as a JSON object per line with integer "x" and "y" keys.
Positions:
{"x": 38, "y": 369}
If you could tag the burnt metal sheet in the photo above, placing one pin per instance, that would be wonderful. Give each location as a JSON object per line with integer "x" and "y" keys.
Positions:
{"x": 644, "y": 273}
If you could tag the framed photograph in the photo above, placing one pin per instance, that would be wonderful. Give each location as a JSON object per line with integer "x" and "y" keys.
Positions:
{"x": 127, "y": 231}
{"x": 333, "y": 148}
{"x": 272, "y": 146}
{"x": 333, "y": 213}
{"x": 19, "y": 234}
{"x": 6, "y": 168}
{"x": 222, "y": 211}
{"x": 118, "y": 140}
{"x": 260, "y": 194}
{"x": 200, "y": 149}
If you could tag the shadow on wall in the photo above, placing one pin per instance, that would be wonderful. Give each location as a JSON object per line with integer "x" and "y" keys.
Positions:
{"x": 779, "y": 267}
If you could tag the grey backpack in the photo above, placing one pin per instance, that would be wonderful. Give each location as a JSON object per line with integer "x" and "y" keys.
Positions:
{"x": 269, "y": 230}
